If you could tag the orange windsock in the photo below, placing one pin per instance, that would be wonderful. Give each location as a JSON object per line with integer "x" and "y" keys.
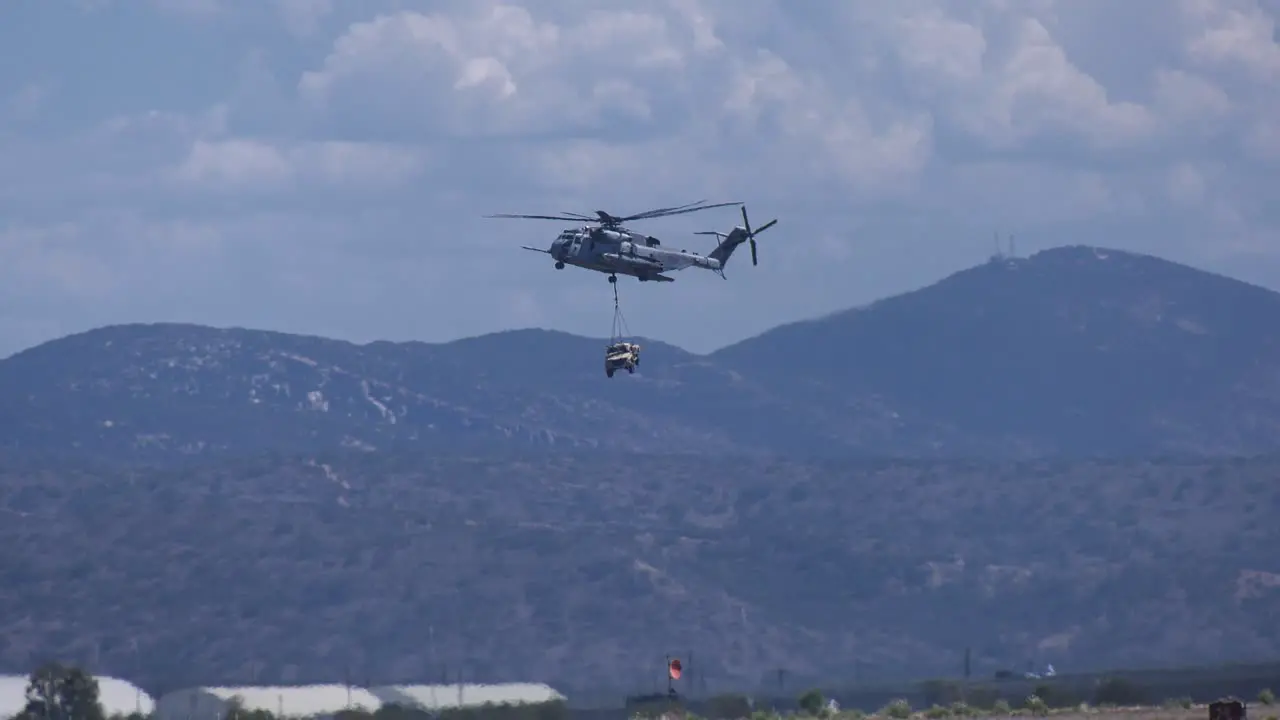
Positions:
{"x": 673, "y": 669}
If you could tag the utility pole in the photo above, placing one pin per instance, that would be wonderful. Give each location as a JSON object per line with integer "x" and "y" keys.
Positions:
{"x": 667, "y": 665}
{"x": 692, "y": 684}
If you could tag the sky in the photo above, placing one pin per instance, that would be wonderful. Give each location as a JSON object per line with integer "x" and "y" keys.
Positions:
{"x": 322, "y": 167}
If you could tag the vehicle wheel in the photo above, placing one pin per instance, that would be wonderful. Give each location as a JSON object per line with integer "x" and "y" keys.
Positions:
{"x": 632, "y": 369}
{"x": 609, "y": 372}
{"x": 559, "y": 266}
{"x": 613, "y": 278}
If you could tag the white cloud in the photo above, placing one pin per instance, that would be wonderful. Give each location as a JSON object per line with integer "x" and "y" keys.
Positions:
{"x": 348, "y": 150}
{"x": 1236, "y": 33}
{"x": 237, "y": 163}
{"x": 495, "y": 70}
{"x": 1190, "y": 102}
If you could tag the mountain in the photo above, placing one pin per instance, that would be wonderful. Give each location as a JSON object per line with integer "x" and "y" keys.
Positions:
{"x": 1076, "y": 350}
{"x": 1073, "y": 351}
{"x": 584, "y": 570}
{"x": 188, "y": 505}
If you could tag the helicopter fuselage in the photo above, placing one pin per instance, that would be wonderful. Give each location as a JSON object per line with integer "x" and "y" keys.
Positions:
{"x": 623, "y": 252}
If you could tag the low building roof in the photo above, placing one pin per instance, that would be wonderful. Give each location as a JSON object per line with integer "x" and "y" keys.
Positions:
{"x": 434, "y": 697}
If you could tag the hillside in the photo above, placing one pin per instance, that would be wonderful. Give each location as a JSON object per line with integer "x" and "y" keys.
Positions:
{"x": 582, "y": 571}
{"x": 1074, "y": 351}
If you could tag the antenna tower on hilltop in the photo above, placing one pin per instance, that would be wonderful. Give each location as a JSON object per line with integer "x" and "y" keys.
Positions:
{"x": 1003, "y": 252}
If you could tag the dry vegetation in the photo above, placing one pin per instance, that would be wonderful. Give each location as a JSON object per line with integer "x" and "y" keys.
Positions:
{"x": 1175, "y": 712}
{"x": 579, "y": 571}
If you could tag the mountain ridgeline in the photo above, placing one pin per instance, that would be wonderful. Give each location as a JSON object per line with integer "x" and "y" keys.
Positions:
{"x": 1073, "y": 351}
{"x": 185, "y": 505}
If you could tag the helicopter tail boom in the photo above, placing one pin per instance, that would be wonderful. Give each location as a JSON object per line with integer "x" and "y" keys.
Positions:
{"x": 728, "y": 243}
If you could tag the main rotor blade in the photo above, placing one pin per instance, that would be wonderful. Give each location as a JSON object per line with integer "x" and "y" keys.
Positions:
{"x": 537, "y": 217}
{"x": 646, "y": 213}
{"x": 680, "y": 211}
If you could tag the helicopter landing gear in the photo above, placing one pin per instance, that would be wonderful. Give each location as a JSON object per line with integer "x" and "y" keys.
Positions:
{"x": 559, "y": 265}
{"x": 613, "y": 278}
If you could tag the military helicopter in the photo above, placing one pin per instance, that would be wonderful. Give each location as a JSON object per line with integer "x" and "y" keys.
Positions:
{"x": 613, "y": 249}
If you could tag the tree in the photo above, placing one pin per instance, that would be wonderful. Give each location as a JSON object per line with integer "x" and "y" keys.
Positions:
{"x": 812, "y": 701}
{"x": 59, "y": 692}
{"x": 899, "y": 709}
{"x": 236, "y": 710}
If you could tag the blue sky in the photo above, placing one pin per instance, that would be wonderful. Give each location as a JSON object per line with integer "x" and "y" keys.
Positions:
{"x": 321, "y": 167}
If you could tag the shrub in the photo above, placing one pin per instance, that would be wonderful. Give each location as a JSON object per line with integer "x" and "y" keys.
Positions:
{"x": 1037, "y": 706}
{"x": 1001, "y": 707}
{"x": 899, "y": 709}
{"x": 811, "y": 701}
{"x": 1266, "y": 697}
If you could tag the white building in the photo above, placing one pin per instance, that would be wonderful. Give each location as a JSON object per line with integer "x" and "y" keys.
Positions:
{"x": 212, "y": 703}
{"x": 117, "y": 697}
{"x": 13, "y": 695}
{"x": 438, "y": 697}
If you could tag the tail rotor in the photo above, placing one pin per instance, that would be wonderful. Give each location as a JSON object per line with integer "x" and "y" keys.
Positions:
{"x": 726, "y": 243}
{"x": 751, "y": 236}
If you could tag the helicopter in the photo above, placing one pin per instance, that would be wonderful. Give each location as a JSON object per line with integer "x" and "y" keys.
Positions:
{"x": 613, "y": 249}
